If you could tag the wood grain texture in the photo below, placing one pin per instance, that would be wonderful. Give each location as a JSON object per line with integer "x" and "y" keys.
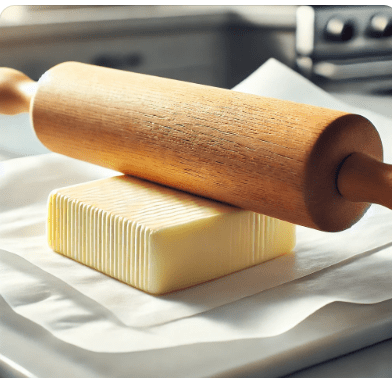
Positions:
{"x": 273, "y": 157}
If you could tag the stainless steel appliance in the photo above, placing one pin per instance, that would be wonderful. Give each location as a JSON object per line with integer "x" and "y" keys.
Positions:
{"x": 345, "y": 47}
{"x": 341, "y": 48}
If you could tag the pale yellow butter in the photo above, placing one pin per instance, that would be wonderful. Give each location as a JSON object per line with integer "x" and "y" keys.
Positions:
{"x": 158, "y": 239}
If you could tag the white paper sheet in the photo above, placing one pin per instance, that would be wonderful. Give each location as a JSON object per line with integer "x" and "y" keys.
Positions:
{"x": 92, "y": 311}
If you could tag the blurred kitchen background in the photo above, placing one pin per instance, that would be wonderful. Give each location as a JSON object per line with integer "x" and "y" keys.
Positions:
{"x": 346, "y": 50}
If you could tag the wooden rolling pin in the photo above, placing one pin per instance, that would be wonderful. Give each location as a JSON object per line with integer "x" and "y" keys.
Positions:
{"x": 304, "y": 164}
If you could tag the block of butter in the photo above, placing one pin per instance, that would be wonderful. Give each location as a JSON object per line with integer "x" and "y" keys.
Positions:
{"x": 159, "y": 239}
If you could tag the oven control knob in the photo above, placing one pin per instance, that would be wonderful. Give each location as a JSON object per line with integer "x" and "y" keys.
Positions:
{"x": 338, "y": 30}
{"x": 380, "y": 26}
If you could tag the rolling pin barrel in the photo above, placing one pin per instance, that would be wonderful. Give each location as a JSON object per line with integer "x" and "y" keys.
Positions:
{"x": 270, "y": 156}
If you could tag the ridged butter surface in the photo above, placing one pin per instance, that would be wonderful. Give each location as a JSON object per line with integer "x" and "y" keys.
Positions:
{"x": 158, "y": 239}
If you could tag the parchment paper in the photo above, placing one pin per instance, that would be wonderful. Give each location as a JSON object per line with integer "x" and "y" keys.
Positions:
{"x": 97, "y": 313}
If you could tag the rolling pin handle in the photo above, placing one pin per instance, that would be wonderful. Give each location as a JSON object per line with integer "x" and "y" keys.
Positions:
{"x": 16, "y": 91}
{"x": 362, "y": 178}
